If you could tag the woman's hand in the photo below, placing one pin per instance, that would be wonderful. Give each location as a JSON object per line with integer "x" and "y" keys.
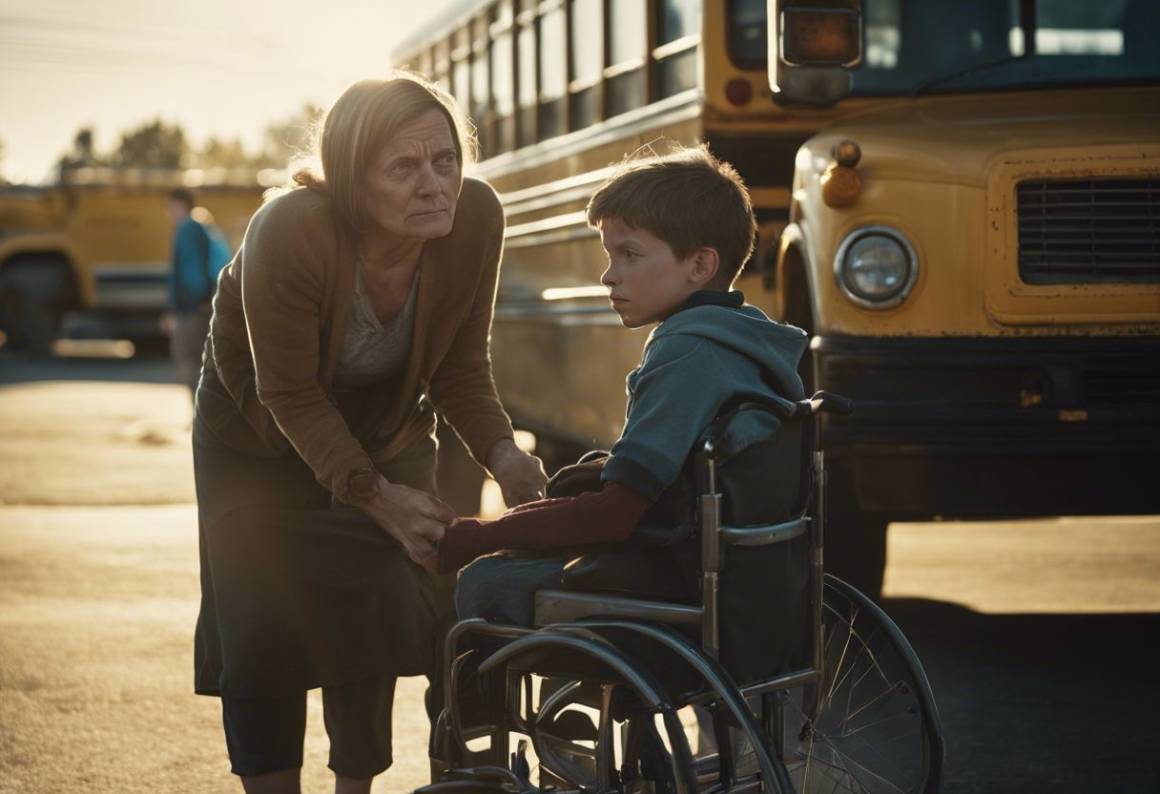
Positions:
{"x": 410, "y": 516}
{"x": 520, "y": 476}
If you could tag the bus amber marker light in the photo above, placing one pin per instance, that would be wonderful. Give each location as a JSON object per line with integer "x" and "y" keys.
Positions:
{"x": 841, "y": 184}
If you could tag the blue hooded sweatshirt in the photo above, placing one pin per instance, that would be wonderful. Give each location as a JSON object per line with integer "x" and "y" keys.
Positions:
{"x": 710, "y": 351}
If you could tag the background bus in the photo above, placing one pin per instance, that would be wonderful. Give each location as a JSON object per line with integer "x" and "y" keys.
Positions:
{"x": 94, "y": 250}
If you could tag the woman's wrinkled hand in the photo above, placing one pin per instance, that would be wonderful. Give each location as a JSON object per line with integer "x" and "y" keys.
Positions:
{"x": 520, "y": 476}
{"x": 414, "y": 518}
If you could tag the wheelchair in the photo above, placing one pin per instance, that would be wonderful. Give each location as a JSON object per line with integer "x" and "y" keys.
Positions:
{"x": 795, "y": 681}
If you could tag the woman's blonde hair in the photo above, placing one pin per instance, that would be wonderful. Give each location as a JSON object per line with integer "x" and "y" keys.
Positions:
{"x": 359, "y": 126}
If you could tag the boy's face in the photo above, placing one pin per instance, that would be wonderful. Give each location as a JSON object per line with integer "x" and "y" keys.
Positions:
{"x": 645, "y": 279}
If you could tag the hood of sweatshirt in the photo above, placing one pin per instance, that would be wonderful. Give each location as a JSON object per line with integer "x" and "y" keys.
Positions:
{"x": 776, "y": 347}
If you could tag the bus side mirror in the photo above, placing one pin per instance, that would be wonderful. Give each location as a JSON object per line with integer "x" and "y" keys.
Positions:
{"x": 813, "y": 45}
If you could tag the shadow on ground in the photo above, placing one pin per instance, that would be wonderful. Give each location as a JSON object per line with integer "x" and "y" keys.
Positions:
{"x": 1041, "y": 702}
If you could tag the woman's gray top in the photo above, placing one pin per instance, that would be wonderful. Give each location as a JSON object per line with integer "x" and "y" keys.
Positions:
{"x": 372, "y": 351}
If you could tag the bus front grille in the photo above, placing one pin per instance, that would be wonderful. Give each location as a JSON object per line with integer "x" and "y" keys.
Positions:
{"x": 1082, "y": 231}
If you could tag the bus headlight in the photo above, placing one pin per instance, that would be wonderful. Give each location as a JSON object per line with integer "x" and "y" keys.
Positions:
{"x": 876, "y": 267}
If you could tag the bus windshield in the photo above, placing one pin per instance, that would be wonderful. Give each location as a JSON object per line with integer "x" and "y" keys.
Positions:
{"x": 944, "y": 46}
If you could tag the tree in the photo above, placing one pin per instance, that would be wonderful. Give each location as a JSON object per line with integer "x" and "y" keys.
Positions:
{"x": 291, "y": 137}
{"x": 83, "y": 154}
{"x": 83, "y": 146}
{"x": 157, "y": 144}
{"x": 223, "y": 153}
{"x": 154, "y": 144}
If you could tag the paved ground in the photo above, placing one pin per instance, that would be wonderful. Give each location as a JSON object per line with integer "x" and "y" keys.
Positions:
{"x": 1038, "y": 635}
{"x": 98, "y": 594}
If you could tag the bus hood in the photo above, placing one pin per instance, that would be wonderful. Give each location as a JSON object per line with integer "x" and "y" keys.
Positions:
{"x": 957, "y": 138}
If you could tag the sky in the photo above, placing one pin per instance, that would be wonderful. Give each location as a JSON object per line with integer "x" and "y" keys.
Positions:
{"x": 217, "y": 67}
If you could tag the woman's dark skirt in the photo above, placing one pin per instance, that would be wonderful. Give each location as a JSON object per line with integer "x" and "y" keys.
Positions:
{"x": 299, "y": 592}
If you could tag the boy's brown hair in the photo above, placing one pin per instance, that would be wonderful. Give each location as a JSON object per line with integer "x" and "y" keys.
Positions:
{"x": 690, "y": 200}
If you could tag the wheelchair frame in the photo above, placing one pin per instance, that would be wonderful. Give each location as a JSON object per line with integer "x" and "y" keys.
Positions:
{"x": 573, "y": 621}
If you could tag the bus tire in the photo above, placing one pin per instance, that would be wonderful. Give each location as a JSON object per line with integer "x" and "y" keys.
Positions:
{"x": 855, "y": 541}
{"x": 459, "y": 478}
{"x": 35, "y": 292}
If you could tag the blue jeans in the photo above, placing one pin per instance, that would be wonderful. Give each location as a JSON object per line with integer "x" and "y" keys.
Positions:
{"x": 501, "y": 588}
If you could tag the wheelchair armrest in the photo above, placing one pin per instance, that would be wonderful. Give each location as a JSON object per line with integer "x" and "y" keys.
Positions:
{"x": 767, "y": 535}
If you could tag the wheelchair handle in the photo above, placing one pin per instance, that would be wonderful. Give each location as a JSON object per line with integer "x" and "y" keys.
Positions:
{"x": 824, "y": 402}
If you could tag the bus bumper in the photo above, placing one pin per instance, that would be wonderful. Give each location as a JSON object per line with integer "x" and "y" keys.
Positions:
{"x": 995, "y": 427}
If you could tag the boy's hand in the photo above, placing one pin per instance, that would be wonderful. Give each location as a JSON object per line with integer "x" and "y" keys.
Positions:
{"x": 459, "y": 546}
{"x": 520, "y": 476}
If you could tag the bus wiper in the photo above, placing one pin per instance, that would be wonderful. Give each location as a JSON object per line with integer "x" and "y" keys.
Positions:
{"x": 978, "y": 67}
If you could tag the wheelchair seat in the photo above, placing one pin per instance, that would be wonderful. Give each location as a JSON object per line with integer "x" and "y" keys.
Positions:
{"x": 762, "y": 472}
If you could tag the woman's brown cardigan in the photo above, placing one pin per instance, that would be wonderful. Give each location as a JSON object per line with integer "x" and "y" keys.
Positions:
{"x": 280, "y": 317}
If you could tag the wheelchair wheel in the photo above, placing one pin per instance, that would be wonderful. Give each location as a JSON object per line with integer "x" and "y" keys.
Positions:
{"x": 872, "y": 725}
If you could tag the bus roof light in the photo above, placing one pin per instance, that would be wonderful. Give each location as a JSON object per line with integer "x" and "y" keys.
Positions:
{"x": 821, "y": 37}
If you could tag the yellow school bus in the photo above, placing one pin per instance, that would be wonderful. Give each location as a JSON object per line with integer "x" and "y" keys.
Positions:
{"x": 95, "y": 248}
{"x": 974, "y": 242}
{"x": 560, "y": 91}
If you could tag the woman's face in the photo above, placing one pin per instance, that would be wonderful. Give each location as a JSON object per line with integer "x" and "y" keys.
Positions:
{"x": 414, "y": 183}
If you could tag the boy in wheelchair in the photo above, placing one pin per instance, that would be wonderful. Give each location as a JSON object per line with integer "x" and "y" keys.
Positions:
{"x": 676, "y": 231}
{"x": 627, "y": 545}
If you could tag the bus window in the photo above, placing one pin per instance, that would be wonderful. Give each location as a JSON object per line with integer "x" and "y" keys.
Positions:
{"x": 503, "y": 91}
{"x": 526, "y": 85}
{"x": 461, "y": 72}
{"x": 442, "y": 66}
{"x": 587, "y": 25}
{"x": 678, "y": 30}
{"x": 747, "y": 34}
{"x": 553, "y": 75}
{"x": 481, "y": 97}
{"x": 625, "y": 85}
{"x": 426, "y": 64}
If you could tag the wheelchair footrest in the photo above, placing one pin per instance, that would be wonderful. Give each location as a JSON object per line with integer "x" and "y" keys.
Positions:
{"x": 482, "y": 779}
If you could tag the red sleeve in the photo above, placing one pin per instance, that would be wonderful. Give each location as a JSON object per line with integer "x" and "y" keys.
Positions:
{"x": 602, "y": 517}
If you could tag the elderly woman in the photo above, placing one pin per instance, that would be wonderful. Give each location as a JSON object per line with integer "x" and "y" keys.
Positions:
{"x": 359, "y": 304}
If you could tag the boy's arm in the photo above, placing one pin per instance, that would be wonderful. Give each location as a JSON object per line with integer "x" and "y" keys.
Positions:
{"x": 678, "y": 390}
{"x": 606, "y": 516}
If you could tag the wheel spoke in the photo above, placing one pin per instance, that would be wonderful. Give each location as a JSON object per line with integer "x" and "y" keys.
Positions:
{"x": 851, "y": 762}
{"x": 885, "y": 693}
{"x": 865, "y": 730}
{"x": 841, "y": 774}
{"x": 883, "y": 721}
{"x": 865, "y": 649}
{"x": 841, "y": 660}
